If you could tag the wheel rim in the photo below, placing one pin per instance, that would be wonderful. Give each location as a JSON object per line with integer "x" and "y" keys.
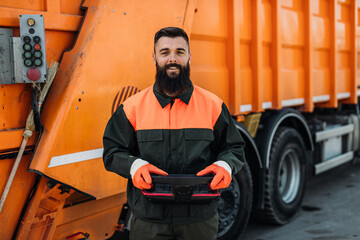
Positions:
{"x": 289, "y": 176}
{"x": 229, "y": 206}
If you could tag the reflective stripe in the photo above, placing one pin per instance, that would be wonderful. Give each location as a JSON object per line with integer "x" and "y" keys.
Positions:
{"x": 322, "y": 98}
{"x": 267, "y": 105}
{"x": 292, "y": 102}
{"x": 343, "y": 95}
{"x": 75, "y": 157}
{"x": 245, "y": 108}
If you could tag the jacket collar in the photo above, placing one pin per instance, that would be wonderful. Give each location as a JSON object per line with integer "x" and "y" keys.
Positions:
{"x": 164, "y": 99}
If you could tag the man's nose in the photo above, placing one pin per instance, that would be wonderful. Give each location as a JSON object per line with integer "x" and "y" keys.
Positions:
{"x": 173, "y": 58}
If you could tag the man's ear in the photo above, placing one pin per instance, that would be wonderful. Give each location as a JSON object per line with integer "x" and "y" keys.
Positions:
{"x": 154, "y": 58}
{"x": 189, "y": 57}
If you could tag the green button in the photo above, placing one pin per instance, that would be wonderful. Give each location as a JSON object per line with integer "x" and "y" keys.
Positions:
{"x": 38, "y": 62}
{"x": 37, "y": 54}
{"x": 28, "y": 62}
{"x": 27, "y": 47}
{"x": 27, "y": 54}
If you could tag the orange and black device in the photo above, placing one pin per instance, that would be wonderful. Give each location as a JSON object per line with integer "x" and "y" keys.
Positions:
{"x": 180, "y": 188}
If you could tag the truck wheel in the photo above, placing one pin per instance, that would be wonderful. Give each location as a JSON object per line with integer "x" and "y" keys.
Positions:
{"x": 235, "y": 205}
{"x": 285, "y": 179}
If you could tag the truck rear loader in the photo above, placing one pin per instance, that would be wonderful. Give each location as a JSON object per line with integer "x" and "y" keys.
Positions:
{"x": 287, "y": 69}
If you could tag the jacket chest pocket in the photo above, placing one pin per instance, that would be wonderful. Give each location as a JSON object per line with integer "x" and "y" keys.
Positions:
{"x": 198, "y": 147}
{"x": 151, "y": 146}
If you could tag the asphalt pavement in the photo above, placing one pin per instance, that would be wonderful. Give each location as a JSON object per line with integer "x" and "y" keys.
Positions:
{"x": 330, "y": 210}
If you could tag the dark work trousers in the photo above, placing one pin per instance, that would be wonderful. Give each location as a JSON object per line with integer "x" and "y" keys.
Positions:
{"x": 141, "y": 230}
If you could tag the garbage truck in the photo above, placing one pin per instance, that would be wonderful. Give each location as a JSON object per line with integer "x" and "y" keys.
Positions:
{"x": 287, "y": 69}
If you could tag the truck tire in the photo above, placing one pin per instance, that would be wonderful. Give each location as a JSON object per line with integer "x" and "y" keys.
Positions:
{"x": 235, "y": 205}
{"x": 285, "y": 179}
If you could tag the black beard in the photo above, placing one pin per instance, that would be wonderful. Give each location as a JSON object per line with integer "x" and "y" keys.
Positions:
{"x": 174, "y": 86}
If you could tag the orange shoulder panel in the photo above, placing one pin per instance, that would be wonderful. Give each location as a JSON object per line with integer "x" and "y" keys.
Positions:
{"x": 203, "y": 110}
{"x": 133, "y": 103}
{"x": 145, "y": 112}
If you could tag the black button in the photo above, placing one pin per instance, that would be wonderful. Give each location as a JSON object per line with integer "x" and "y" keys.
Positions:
{"x": 36, "y": 39}
{"x": 31, "y": 31}
{"x": 27, "y": 39}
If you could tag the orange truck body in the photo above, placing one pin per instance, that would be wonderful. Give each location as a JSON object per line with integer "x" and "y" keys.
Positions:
{"x": 255, "y": 55}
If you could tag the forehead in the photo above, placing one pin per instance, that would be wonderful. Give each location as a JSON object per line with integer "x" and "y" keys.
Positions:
{"x": 171, "y": 43}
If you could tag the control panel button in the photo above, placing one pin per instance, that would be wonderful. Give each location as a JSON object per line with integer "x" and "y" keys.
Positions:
{"x": 38, "y": 62}
{"x": 33, "y": 74}
{"x": 27, "y": 39}
{"x": 28, "y": 62}
{"x": 27, "y": 47}
{"x": 37, "y": 54}
{"x": 27, "y": 55}
{"x": 31, "y": 22}
{"x": 37, "y": 47}
{"x": 36, "y": 39}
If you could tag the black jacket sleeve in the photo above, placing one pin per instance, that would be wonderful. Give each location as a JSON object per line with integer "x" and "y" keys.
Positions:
{"x": 120, "y": 145}
{"x": 228, "y": 142}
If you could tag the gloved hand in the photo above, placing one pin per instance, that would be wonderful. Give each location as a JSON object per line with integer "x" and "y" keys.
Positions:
{"x": 142, "y": 179}
{"x": 222, "y": 171}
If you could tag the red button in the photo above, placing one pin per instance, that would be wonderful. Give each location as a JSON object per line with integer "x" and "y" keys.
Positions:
{"x": 37, "y": 47}
{"x": 33, "y": 74}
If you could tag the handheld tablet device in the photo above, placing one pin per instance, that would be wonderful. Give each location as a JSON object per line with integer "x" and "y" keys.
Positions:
{"x": 180, "y": 188}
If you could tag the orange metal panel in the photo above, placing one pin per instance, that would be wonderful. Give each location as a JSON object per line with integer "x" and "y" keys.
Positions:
{"x": 320, "y": 39}
{"x": 267, "y": 26}
{"x": 15, "y": 102}
{"x": 309, "y": 105}
{"x": 80, "y": 101}
{"x": 209, "y": 67}
{"x": 54, "y": 21}
{"x": 18, "y": 193}
{"x": 247, "y": 56}
{"x": 357, "y": 35}
{"x": 257, "y": 61}
{"x": 291, "y": 88}
{"x": 277, "y": 83}
{"x": 97, "y": 217}
{"x": 68, "y": 7}
{"x": 352, "y": 52}
{"x": 233, "y": 55}
{"x": 11, "y": 139}
{"x": 30, "y": 5}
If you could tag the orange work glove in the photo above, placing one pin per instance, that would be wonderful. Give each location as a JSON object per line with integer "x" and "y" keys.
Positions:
{"x": 222, "y": 178}
{"x": 142, "y": 178}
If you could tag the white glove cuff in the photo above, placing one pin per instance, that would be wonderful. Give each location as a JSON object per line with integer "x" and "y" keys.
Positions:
{"x": 225, "y": 165}
{"x": 138, "y": 163}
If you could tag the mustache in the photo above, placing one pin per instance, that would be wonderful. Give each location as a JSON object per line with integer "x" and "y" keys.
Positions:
{"x": 172, "y": 65}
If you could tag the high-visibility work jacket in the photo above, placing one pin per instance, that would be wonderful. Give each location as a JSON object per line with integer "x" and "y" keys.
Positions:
{"x": 180, "y": 136}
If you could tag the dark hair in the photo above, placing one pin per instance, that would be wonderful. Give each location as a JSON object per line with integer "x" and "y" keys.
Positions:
{"x": 171, "y": 32}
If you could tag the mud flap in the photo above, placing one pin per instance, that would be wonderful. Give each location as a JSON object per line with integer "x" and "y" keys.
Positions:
{"x": 122, "y": 230}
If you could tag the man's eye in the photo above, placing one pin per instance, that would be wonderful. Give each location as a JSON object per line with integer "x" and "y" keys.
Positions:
{"x": 180, "y": 52}
{"x": 164, "y": 53}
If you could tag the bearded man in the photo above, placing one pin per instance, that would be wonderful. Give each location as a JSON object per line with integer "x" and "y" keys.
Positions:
{"x": 172, "y": 127}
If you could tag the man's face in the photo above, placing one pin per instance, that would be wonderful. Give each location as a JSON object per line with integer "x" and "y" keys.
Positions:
{"x": 170, "y": 52}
